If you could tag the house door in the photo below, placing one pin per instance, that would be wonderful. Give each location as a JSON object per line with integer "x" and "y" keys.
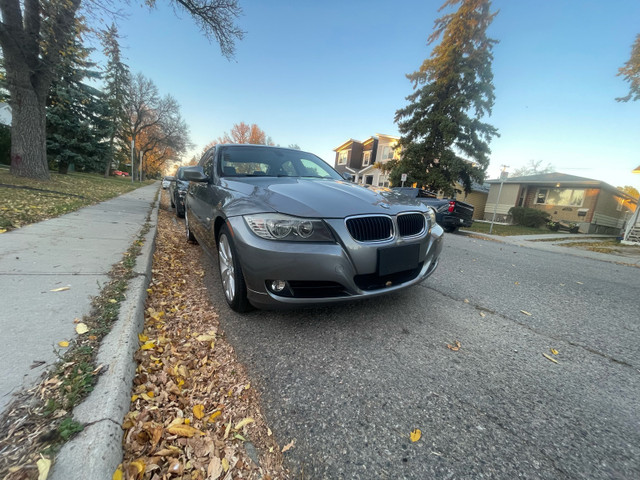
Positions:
{"x": 523, "y": 195}
{"x": 368, "y": 179}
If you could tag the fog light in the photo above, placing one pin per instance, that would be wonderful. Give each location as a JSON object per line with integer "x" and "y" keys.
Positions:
{"x": 278, "y": 286}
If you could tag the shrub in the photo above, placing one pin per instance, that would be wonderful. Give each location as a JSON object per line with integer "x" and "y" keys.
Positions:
{"x": 529, "y": 217}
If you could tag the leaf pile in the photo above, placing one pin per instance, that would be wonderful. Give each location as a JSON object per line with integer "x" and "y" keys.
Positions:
{"x": 26, "y": 201}
{"x": 194, "y": 414}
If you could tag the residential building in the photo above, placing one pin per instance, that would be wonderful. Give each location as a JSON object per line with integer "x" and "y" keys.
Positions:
{"x": 595, "y": 206}
{"x": 363, "y": 159}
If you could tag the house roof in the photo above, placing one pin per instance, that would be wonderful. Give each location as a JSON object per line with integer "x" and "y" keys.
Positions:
{"x": 345, "y": 145}
{"x": 562, "y": 180}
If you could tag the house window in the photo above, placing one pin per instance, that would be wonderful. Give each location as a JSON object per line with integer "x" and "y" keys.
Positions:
{"x": 366, "y": 159}
{"x": 387, "y": 153}
{"x": 560, "y": 196}
{"x": 342, "y": 157}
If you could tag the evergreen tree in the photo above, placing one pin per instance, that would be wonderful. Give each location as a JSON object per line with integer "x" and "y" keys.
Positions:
{"x": 75, "y": 111}
{"x": 442, "y": 137}
{"x": 631, "y": 73}
{"x": 117, "y": 81}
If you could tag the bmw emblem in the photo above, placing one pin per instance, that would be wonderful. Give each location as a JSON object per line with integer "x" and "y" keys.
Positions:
{"x": 385, "y": 205}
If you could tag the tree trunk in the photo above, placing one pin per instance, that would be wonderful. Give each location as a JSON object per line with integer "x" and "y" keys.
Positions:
{"x": 28, "y": 134}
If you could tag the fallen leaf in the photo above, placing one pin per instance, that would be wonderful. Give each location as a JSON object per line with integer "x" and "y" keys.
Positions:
{"x": 554, "y": 351}
{"x": 239, "y": 437}
{"x": 214, "y": 415}
{"x": 113, "y": 300}
{"x": 81, "y": 328}
{"x": 198, "y": 411}
{"x": 184, "y": 431}
{"x": 580, "y": 283}
{"x": 214, "y": 470}
{"x": 44, "y": 464}
{"x": 415, "y": 435}
{"x": 227, "y": 430}
{"x": 466, "y": 300}
{"x": 482, "y": 314}
{"x": 549, "y": 358}
{"x": 517, "y": 283}
{"x": 244, "y": 422}
{"x": 225, "y": 464}
{"x": 117, "y": 475}
{"x": 205, "y": 338}
{"x": 288, "y": 446}
{"x": 63, "y": 344}
{"x": 61, "y": 289}
{"x": 454, "y": 347}
{"x": 526, "y": 313}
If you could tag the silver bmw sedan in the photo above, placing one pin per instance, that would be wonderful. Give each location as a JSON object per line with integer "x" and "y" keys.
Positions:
{"x": 289, "y": 230}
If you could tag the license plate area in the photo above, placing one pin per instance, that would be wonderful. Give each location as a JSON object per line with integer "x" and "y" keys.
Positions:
{"x": 398, "y": 259}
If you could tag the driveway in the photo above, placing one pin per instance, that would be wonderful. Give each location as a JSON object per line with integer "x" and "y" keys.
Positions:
{"x": 350, "y": 383}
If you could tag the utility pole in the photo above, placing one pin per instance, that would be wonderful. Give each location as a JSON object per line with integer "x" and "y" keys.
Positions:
{"x": 503, "y": 176}
{"x": 133, "y": 145}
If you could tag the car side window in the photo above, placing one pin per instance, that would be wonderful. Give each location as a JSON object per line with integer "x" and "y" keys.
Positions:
{"x": 311, "y": 169}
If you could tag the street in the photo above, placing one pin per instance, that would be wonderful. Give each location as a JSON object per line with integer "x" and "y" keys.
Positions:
{"x": 348, "y": 384}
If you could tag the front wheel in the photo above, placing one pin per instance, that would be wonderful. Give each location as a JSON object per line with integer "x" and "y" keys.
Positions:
{"x": 180, "y": 209}
{"x": 190, "y": 237}
{"x": 233, "y": 285}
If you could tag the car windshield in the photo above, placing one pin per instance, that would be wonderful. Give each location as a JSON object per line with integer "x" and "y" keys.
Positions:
{"x": 272, "y": 162}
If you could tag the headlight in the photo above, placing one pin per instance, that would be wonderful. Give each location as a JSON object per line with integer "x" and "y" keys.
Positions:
{"x": 432, "y": 217}
{"x": 274, "y": 226}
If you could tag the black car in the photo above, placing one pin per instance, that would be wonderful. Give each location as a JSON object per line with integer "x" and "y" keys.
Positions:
{"x": 177, "y": 191}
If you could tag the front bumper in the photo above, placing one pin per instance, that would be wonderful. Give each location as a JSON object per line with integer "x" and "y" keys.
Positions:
{"x": 321, "y": 273}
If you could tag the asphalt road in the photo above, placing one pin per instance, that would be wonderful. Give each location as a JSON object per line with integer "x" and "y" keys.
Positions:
{"x": 349, "y": 383}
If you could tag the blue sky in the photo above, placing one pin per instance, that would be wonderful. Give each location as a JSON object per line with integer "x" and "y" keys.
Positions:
{"x": 319, "y": 73}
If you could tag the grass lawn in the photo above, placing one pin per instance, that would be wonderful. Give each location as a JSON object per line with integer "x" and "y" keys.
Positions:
{"x": 505, "y": 230}
{"x": 24, "y": 201}
{"x": 606, "y": 246}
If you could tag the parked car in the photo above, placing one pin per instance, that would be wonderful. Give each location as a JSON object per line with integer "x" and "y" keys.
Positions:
{"x": 166, "y": 181}
{"x": 290, "y": 231}
{"x": 450, "y": 214}
{"x": 120, "y": 173}
{"x": 177, "y": 191}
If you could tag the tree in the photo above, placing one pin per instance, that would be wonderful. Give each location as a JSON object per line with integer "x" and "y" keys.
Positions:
{"x": 32, "y": 35}
{"x": 442, "y": 137}
{"x": 154, "y": 122}
{"x": 631, "y": 73}
{"x": 629, "y": 190}
{"x": 533, "y": 168}
{"x": 244, "y": 133}
{"x": 76, "y": 111}
{"x": 117, "y": 79}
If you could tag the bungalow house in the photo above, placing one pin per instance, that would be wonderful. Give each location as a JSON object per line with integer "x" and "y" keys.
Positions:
{"x": 363, "y": 159}
{"x": 595, "y": 206}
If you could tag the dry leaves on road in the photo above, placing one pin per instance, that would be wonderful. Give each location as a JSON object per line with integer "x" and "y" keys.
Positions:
{"x": 192, "y": 406}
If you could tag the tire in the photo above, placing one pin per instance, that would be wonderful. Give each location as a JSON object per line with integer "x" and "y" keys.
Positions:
{"x": 449, "y": 229}
{"x": 180, "y": 210}
{"x": 171, "y": 199}
{"x": 231, "y": 277}
{"x": 190, "y": 237}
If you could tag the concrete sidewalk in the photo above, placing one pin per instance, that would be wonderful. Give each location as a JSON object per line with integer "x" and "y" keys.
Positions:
{"x": 552, "y": 242}
{"x": 77, "y": 251}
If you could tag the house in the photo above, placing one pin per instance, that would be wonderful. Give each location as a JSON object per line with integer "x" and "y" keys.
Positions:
{"x": 363, "y": 159}
{"x": 595, "y": 206}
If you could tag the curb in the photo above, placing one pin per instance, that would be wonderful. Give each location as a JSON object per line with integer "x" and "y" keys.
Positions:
{"x": 96, "y": 452}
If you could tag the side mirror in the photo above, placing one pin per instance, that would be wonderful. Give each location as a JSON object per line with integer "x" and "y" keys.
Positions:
{"x": 348, "y": 176}
{"x": 194, "y": 174}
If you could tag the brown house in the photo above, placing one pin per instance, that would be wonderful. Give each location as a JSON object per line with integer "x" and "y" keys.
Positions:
{"x": 595, "y": 206}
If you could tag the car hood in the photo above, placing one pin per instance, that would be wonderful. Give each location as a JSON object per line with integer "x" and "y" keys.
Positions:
{"x": 325, "y": 198}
